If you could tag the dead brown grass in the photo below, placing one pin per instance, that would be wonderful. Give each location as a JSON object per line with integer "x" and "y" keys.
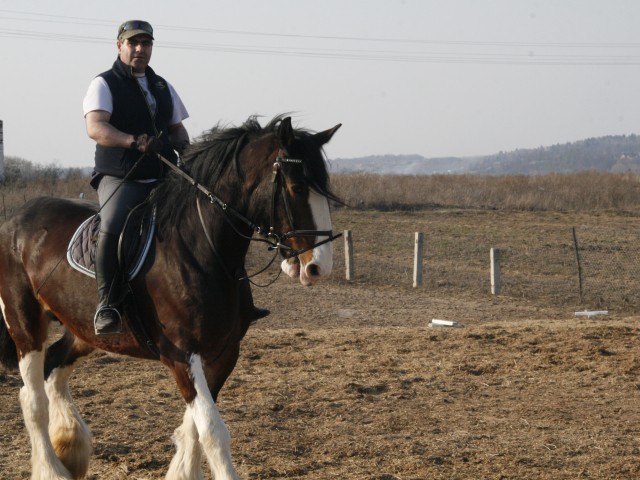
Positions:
{"x": 14, "y": 194}
{"x": 582, "y": 191}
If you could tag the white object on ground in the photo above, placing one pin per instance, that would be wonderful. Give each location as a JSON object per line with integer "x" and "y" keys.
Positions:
{"x": 591, "y": 313}
{"x": 445, "y": 323}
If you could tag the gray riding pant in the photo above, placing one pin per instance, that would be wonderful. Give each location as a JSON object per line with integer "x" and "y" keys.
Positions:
{"x": 117, "y": 198}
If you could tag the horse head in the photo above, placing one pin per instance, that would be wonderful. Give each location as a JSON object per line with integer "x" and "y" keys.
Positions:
{"x": 273, "y": 180}
{"x": 300, "y": 221}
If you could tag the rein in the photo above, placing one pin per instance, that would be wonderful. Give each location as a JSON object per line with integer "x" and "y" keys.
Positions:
{"x": 274, "y": 240}
{"x": 219, "y": 258}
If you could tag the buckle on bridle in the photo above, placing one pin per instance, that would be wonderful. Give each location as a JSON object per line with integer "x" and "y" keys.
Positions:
{"x": 281, "y": 160}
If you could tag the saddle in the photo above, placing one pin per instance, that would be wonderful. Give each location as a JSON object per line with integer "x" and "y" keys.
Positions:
{"x": 133, "y": 245}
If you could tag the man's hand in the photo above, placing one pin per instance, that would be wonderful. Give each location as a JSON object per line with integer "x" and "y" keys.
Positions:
{"x": 147, "y": 144}
{"x": 180, "y": 147}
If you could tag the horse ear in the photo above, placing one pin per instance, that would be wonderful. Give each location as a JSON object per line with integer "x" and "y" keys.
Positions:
{"x": 285, "y": 133}
{"x": 323, "y": 137}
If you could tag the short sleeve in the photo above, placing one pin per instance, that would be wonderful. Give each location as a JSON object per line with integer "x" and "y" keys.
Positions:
{"x": 98, "y": 97}
{"x": 179, "y": 110}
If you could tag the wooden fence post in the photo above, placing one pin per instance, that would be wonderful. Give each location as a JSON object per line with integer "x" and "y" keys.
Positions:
{"x": 578, "y": 260}
{"x": 417, "y": 259}
{"x": 348, "y": 255}
{"x": 495, "y": 271}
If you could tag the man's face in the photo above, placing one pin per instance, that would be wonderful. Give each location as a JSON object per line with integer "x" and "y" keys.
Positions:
{"x": 136, "y": 52}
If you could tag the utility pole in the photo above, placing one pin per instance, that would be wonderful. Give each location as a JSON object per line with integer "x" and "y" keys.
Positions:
{"x": 1, "y": 152}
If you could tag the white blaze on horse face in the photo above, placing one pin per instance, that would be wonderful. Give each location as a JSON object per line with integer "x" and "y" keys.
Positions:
{"x": 322, "y": 255}
{"x": 318, "y": 262}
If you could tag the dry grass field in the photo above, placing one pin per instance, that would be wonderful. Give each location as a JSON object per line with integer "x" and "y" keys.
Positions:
{"x": 347, "y": 379}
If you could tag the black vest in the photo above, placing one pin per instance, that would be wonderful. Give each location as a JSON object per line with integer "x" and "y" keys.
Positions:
{"x": 131, "y": 114}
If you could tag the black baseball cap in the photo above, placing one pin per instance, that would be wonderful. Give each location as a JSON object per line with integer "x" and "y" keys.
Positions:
{"x": 131, "y": 28}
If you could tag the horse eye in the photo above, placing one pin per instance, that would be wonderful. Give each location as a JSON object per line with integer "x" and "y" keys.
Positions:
{"x": 298, "y": 189}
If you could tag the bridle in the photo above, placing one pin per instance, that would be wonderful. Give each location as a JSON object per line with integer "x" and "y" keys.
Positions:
{"x": 269, "y": 235}
{"x": 279, "y": 185}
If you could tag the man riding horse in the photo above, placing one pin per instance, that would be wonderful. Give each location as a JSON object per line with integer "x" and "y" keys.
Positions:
{"x": 132, "y": 114}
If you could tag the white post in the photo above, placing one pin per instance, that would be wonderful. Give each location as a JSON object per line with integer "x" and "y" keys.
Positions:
{"x": 495, "y": 271}
{"x": 348, "y": 254}
{"x": 417, "y": 259}
{"x": 1, "y": 152}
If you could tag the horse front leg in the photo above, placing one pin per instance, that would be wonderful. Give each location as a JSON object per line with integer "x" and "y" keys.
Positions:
{"x": 187, "y": 462}
{"x": 212, "y": 432}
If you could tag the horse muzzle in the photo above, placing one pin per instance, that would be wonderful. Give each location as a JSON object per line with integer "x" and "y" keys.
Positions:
{"x": 310, "y": 267}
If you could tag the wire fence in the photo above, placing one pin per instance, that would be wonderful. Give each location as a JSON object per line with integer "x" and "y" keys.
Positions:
{"x": 562, "y": 262}
{"x": 609, "y": 263}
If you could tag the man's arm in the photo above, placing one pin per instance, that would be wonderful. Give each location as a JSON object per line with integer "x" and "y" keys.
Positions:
{"x": 105, "y": 134}
{"x": 178, "y": 134}
{"x": 179, "y": 137}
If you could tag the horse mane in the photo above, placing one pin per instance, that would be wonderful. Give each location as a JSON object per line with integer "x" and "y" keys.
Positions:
{"x": 215, "y": 150}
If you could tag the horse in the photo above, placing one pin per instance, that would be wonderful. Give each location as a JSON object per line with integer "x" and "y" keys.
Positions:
{"x": 266, "y": 183}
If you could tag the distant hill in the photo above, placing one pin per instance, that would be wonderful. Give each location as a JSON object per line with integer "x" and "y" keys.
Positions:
{"x": 620, "y": 153}
{"x": 400, "y": 165}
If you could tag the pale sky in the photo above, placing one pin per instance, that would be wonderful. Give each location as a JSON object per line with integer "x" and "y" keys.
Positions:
{"x": 427, "y": 77}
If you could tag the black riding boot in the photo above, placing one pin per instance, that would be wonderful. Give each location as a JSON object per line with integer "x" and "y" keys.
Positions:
{"x": 259, "y": 313}
{"x": 250, "y": 312}
{"x": 107, "y": 320}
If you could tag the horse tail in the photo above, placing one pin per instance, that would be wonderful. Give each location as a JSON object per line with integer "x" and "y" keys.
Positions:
{"x": 8, "y": 351}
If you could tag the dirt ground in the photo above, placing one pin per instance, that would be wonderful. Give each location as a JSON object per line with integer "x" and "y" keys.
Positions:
{"x": 348, "y": 381}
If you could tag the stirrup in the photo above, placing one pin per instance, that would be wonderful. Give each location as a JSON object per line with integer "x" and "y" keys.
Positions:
{"x": 112, "y": 321}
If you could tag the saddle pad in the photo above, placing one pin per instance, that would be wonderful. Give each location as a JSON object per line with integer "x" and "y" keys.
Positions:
{"x": 81, "y": 250}
{"x": 139, "y": 231}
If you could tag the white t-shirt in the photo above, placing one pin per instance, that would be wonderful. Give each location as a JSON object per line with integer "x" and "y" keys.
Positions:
{"x": 99, "y": 97}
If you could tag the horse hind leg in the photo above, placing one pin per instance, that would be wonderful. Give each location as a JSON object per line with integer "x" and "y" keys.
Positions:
{"x": 33, "y": 399}
{"x": 27, "y": 326}
{"x": 187, "y": 462}
{"x": 70, "y": 435}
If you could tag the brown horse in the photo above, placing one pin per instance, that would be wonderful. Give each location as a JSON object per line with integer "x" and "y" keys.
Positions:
{"x": 190, "y": 293}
